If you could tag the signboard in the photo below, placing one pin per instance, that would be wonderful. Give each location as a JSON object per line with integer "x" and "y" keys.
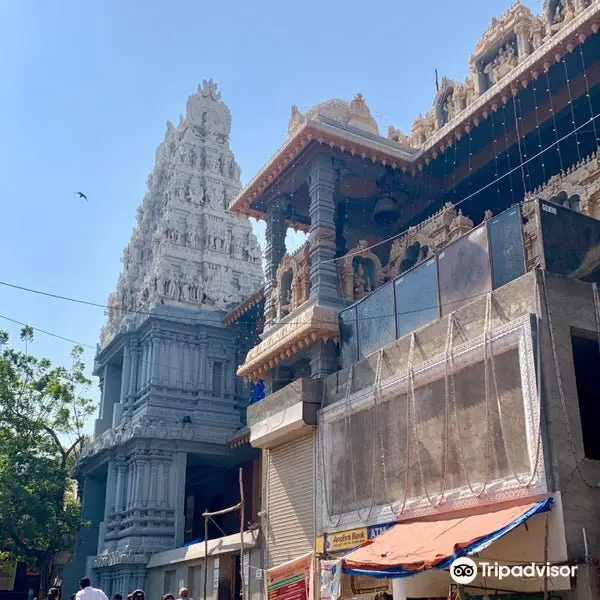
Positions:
{"x": 374, "y": 530}
{"x": 216, "y": 574}
{"x": 506, "y": 247}
{"x": 417, "y": 299}
{"x": 246, "y": 564}
{"x": 464, "y": 270}
{"x": 376, "y": 321}
{"x": 362, "y": 585}
{"x": 8, "y": 571}
{"x": 331, "y": 579}
{"x": 351, "y": 538}
{"x": 344, "y": 540}
{"x": 348, "y": 337}
{"x": 291, "y": 580}
{"x": 571, "y": 242}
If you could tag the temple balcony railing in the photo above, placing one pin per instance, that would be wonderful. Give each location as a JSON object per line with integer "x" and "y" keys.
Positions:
{"x": 499, "y": 250}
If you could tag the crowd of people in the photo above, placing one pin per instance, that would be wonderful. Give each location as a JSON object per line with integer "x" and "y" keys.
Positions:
{"x": 87, "y": 592}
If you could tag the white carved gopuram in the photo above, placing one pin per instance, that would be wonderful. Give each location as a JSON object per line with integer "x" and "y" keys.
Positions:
{"x": 186, "y": 248}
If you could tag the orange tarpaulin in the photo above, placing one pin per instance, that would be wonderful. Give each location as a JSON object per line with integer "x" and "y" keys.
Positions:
{"x": 424, "y": 545}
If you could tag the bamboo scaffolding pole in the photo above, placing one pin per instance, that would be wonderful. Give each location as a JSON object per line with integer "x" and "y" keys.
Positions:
{"x": 208, "y": 515}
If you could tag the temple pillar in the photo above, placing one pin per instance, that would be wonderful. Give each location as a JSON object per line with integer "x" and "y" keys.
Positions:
{"x": 133, "y": 380}
{"x": 202, "y": 370}
{"x": 323, "y": 359}
{"x": 323, "y": 269}
{"x": 111, "y": 394}
{"x": 274, "y": 251}
{"x": 480, "y": 78}
{"x": 111, "y": 483}
{"x": 153, "y": 363}
{"x": 120, "y": 481}
{"x": 178, "y": 467}
{"x": 523, "y": 48}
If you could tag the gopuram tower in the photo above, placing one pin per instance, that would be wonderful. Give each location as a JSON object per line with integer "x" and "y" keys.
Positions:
{"x": 169, "y": 396}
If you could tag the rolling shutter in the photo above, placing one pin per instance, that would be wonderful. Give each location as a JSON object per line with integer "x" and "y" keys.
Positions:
{"x": 291, "y": 504}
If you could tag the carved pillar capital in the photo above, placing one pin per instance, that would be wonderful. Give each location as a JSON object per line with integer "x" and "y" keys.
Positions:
{"x": 522, "y": 33}
{"x": 479, "y": 77}
{"x": 275, "y": 231}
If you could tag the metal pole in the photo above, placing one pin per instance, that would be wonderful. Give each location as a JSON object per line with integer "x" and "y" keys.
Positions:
{"x": 205, "y": 554}
{"x": 546, "y": 558}
{"x": 242, "y": 578}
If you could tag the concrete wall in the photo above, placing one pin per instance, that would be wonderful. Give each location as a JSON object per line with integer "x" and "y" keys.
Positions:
{"x": 571, "y": 305}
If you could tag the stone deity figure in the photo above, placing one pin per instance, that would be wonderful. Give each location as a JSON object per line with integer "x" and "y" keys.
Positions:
{"x": 558, "y": 15}
{"x": 449, "y": 107}
{"x": 362, "y": 285}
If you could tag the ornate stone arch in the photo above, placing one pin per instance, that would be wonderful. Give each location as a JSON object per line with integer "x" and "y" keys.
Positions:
{"x": 440, "y": 101}
{"x": 401, "y": 258}
{"x": 568, "y": 194}
{"x": 292, "y": 281}
{"x": 350, "y": 271}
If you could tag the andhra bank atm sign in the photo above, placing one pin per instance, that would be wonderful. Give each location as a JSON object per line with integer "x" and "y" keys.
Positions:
{"x": 345, "y": 540}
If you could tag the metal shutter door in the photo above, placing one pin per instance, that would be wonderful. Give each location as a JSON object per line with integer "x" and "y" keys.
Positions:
{"x": 291, "y": 496}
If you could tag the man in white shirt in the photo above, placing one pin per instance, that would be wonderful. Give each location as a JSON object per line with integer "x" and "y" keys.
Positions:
{"x": 87, "y": 592}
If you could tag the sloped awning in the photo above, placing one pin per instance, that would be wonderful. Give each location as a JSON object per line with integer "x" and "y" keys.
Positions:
{"x": 409, "y": 548}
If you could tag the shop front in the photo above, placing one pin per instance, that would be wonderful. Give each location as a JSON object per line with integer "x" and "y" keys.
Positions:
{"x": 331, "y": 548}
{"x": 516, "y": 548}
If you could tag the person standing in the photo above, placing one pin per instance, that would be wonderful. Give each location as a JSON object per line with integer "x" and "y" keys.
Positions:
{"x": 87, "y": 592}
{"x": 184, "y": 594}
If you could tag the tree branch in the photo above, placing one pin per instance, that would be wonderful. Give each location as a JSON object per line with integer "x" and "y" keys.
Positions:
{"x": 53, "y": 435}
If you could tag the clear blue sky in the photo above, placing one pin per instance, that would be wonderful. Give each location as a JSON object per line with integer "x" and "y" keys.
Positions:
{"x": 87, "y": 88}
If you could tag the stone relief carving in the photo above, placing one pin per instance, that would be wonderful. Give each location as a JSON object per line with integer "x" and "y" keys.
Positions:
{"x": 577, "y": 188}
{"x": 502, "y": 64}
{"x": 172, "y": 224}
{"x": 509, "y": 39}
{"x": 360, "y": 272}
{"x": 421, "y": 241}
{"x": 292, "y": 286}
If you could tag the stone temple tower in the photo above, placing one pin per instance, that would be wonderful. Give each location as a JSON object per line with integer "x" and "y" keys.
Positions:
{"x": 170, "y": 399}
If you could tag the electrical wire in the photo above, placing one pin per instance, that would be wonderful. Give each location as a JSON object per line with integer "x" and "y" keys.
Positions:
{"x": 55, "y": 335}
{"x": 201, "y": 321}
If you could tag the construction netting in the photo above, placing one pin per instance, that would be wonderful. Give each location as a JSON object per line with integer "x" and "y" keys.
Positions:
{"x": 463, "y": 423}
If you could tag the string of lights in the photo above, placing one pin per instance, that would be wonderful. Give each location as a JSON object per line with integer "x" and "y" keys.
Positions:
{"x": 478, "y": 191}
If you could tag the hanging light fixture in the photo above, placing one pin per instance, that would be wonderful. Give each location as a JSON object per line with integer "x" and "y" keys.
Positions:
{"x": 386, "y": 210}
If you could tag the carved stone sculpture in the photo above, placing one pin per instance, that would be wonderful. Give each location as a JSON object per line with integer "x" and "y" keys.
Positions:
{"x": 172, "y": 225}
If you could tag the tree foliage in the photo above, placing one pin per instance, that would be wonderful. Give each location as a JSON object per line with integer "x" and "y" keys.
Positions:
{"x": 42, "y": 414}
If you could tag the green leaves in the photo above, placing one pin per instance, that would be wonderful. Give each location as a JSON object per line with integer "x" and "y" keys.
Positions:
{"x": 42, "y": 412}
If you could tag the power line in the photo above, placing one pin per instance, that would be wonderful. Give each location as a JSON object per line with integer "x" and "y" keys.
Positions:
{"x": 55, "y": 335}
{"x": 219, "y": 320}
{"x": 199, "y": 321}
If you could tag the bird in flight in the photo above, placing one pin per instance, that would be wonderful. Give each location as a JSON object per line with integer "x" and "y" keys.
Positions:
{"x": 81, "y": 195}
